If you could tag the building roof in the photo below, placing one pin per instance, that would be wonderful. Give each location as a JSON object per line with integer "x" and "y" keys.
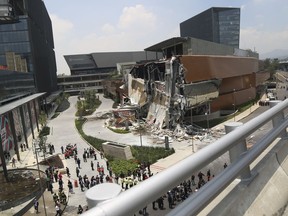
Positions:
{"x": 167, "y": 43}
{"x": 8, "y": 107}
{"x": 106, "y": 59}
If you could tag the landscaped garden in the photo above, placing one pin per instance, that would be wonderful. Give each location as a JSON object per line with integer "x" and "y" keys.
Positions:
{"x": 87, "y": 103}
{"x": 140, "y": 153}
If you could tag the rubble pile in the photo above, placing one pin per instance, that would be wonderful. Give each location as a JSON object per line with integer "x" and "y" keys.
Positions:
{"x": 103, "y": 115}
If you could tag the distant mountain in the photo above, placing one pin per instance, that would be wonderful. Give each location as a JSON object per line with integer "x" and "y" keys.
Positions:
{"x": 278, "y": 53}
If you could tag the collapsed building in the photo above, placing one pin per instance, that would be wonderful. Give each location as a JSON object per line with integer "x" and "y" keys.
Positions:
{"x": 169, "y": 92}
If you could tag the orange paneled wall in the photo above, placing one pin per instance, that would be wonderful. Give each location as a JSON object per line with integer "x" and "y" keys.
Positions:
{"x": 199, "y": 68}
{"x": 237, "y": 83}
{"x": 226, "y": 101}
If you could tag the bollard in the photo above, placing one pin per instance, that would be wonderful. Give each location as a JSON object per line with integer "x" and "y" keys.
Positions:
{"x": 75, "y": 183}
{"x": 277, "y": 119}
{"x": 240, "y": 148}
{"x": 166, "y": 143}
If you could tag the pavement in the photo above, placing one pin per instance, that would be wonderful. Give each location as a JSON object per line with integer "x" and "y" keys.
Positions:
{"x": 63, "y": 132}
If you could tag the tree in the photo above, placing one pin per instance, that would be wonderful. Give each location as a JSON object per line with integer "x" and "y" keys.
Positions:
{"x": 271, "y": 65}
{"x": 43, "y": 119}
{"x": 80, "y": 108}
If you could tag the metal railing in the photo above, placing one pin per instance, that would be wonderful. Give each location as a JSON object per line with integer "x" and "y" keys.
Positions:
{"x": 137, "y": 197}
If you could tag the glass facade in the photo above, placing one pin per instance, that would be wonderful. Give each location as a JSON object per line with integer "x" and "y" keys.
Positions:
{"x": 15, "y": 83}
{"x": 219, "y": 25}
{"x": 15, "y": 38}
{"x": 30, "y": 38}
{"x": 227, "y": 25}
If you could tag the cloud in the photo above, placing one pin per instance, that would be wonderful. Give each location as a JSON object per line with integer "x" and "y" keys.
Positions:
{"x": 108, "y": 29}
{"x": 62, "y": 31}
{"x": 134, "y": 31}
{"x": 263, "y": 41}
{"x": 137, "y": 16}
{"x": 61, "y": 27}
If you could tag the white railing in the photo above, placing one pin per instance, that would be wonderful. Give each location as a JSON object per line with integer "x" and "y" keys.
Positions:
{"x": 137, "y": 197}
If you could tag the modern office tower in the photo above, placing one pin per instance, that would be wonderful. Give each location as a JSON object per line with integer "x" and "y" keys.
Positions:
{"x": 26, "y": 33}
{"x": 217, "y": 24}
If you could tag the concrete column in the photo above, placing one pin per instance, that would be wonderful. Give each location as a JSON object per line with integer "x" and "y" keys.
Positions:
{"x": 240, "y": 148}
{"x": 30, "y": 119}
{"x": 36, "y": 114}
{"x": 101, "y": 193}
{"x": 278, "y": 119}
{"x": 23, "y": 124}
{"x": 15, "y": 141}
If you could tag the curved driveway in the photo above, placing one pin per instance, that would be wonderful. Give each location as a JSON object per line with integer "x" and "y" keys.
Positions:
{"x": 63, "y": 132}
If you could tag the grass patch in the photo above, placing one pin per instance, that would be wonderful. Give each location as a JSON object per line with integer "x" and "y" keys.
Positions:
{"x": 119, "y": 130}
{"x": 96, "y": 143}
{"x": 89, "y": 109}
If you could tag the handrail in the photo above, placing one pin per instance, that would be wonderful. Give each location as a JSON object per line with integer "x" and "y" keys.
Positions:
{"x": 195, "y": 203}
{"x": 130, "y": 201}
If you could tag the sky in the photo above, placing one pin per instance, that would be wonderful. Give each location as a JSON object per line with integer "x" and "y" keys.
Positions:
{"x": 87, "y": 26}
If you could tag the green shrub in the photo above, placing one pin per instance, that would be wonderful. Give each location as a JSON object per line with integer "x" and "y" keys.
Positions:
{"x": 45, "y": 131}
{"x": 119, "y": 166}
{"x": 55, "y": 115}
{"x": 151, "y": 154}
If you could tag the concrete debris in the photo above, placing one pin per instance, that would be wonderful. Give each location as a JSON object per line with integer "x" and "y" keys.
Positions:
{"x": 103, "y": 115}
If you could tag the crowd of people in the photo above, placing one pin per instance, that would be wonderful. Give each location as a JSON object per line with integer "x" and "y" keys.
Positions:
{"x": 103, "y": 173}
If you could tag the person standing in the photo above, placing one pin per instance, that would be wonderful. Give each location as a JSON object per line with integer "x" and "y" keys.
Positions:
{"x": 68, "y": 172}
{"x": 78, "y": 162}
{"x": 56, "y": 175}
{"x": 62, "y": 149}
{"x": 13, "y": 162}
{"x": 36, "y": 205}
{"x": 58, "y": 210}
{"x": 77, "y": 171}
{"x": 70, "y": 186}
{"x": 92, "y": 165}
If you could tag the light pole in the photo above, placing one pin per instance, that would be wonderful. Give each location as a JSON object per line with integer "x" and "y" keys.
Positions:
{"x": 140, "y": 127}
{"x": 193, "y": 149}
{"x": 206, "y": 113}
{"x": 234, "y": 103}
{"x": 39, "y": 175}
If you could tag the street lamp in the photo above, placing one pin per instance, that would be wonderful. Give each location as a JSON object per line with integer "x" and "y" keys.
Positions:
{"x": 39, "y": 175}
{"x": 206, "y": 113}
{"x": 139, "y": 126}
{"x": 234, "y": 103}
{"x": 193, "y": 149}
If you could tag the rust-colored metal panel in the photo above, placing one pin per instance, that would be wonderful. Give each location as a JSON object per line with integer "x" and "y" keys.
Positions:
{"x": 200, "y": 67}
{"x": 226, "y": 101}
{"x": 237, "y": 83}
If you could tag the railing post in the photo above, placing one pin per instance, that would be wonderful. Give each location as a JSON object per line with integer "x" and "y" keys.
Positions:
{"x": 277, "y": 120}
{"x": 238, "y": 149}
